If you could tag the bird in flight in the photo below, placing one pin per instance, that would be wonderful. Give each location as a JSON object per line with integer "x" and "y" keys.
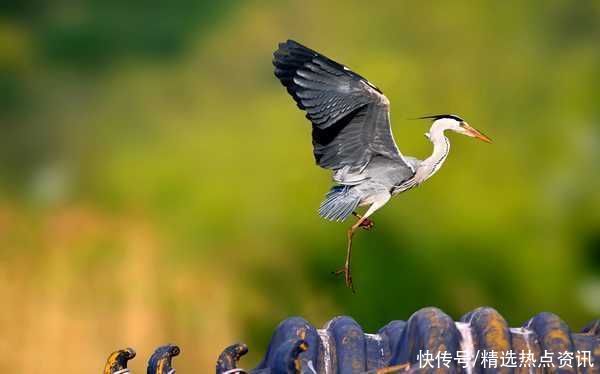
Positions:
{"x": 351, "y": 136}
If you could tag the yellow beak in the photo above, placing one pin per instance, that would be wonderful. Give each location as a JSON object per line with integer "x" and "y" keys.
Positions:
{"x": 475, "y": 134}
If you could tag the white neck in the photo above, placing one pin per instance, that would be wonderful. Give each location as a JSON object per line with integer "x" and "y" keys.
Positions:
{"x": 441, "y": 148}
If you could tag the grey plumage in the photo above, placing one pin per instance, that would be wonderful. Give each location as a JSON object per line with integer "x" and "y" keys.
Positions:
{"x": 339, "y": 203}
{"x": 351, "y": 136}
{"x": 351, "y": 132}
{"x": 351, "y": 127}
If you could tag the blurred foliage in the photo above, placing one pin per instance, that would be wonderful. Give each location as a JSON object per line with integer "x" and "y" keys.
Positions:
{"x": 157, "y": 183}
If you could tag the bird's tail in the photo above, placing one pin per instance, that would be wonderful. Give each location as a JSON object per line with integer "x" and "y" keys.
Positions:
{"x": 339, "y": 203}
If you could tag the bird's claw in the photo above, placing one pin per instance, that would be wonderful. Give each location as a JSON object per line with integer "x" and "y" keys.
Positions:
{"x": 347, "y": 277}
{"x": 367, "y": 224}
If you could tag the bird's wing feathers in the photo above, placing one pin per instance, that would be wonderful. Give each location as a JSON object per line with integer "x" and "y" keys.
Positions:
{"x": 350, "y": 116}
{"x": 323, "y": 88}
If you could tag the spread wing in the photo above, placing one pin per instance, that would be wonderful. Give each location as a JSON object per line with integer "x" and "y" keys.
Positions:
{"x": 350, "y": 116}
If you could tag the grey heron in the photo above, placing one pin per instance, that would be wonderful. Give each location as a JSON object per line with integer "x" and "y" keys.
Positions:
{"x": 351, "y": 136}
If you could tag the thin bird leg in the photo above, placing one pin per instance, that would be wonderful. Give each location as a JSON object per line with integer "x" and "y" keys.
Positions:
{"x": 367, "y": 224}
{"x": 346, "y": 269}
{"x": 379, "y": 201}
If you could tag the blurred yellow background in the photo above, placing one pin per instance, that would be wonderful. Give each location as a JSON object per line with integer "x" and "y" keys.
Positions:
{"x": 157, "y": 183}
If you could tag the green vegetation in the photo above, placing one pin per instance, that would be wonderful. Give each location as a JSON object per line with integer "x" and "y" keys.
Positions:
{"x": 157, "y": 183}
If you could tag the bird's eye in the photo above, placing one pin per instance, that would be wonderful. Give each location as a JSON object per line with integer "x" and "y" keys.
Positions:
{"x": 462, "y": 124}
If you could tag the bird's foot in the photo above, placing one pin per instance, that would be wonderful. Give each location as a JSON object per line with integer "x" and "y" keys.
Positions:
{"x": 347, "y": 277}
{"x": 367, "y": 224}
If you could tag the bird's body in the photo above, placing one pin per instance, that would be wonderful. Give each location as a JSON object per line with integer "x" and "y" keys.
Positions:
{"x": 352, "y": 136}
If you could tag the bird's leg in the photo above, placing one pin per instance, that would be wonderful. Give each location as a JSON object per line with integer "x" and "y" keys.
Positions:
{"x": 346, "y": 269}
{"x": 367, "y": 224}
{"x": 378, "y": 201}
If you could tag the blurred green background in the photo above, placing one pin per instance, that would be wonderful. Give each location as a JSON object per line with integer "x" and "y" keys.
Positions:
{"x": 157, "y": 183}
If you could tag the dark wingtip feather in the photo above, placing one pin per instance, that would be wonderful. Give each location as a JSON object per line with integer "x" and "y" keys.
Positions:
{"x": 287, "y": 59}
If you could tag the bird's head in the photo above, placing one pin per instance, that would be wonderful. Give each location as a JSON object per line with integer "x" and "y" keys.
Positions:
{"x": 453, "y": 122}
